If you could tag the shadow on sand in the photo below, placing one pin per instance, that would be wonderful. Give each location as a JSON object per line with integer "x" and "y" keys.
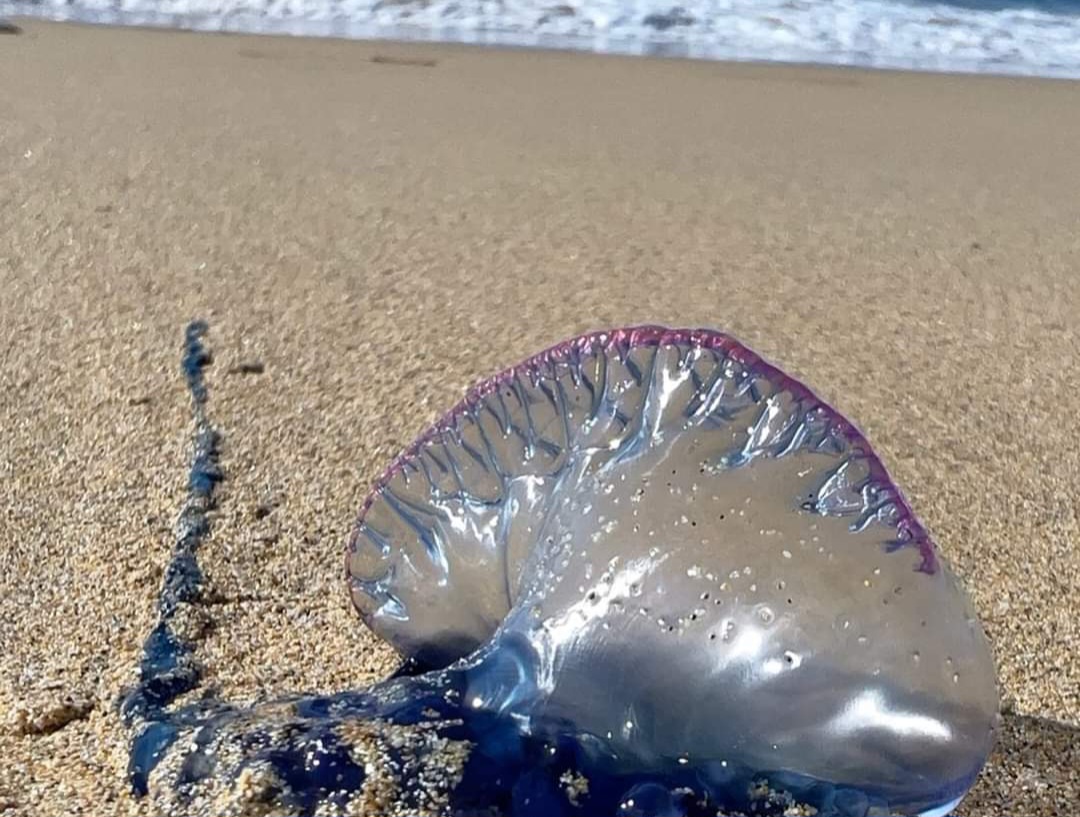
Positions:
{"x": 1034, "y": 757}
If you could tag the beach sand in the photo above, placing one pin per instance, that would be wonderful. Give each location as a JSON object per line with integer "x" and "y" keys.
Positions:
{"x": 378, "y": 225}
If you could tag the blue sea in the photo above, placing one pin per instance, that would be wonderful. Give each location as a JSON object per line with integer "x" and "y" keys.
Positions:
{"x": 1020, "y": 37}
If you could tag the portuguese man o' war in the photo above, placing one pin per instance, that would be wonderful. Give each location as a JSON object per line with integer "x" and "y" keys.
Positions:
{"x": 643, "y": 573}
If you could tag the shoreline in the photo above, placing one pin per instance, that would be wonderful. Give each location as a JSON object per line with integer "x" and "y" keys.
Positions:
{"x": 510, "y": 40}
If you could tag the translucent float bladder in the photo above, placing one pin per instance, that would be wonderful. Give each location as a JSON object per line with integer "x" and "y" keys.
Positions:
{"x": 703, "y": 565}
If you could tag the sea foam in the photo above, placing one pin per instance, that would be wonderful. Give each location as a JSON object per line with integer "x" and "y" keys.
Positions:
{"x": 986, "y": 37}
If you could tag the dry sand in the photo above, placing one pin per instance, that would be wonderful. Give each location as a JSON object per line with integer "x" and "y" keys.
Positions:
{"x": 379, "y": 234}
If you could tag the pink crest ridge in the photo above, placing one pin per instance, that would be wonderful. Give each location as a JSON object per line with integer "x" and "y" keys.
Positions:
{"x": 911, "y": 532}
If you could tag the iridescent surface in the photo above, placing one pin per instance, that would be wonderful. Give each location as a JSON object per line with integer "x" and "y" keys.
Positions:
{"x": 642, "y": 574}
{"x": 705, "y": 564}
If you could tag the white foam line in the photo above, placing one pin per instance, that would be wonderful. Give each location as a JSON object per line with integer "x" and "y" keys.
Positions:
{"x": 869, "y": 33}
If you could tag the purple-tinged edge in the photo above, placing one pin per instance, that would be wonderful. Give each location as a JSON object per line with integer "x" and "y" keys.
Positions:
{"x": 910, "y": 530}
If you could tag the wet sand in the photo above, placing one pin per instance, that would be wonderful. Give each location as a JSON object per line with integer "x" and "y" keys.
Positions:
{"x": 369, "y": 228}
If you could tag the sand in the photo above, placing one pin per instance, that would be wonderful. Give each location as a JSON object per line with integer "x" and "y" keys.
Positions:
{"x": 379, "y": 225}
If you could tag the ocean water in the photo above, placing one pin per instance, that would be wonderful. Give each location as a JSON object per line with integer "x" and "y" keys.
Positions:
{"x": 1023, "y": 37}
